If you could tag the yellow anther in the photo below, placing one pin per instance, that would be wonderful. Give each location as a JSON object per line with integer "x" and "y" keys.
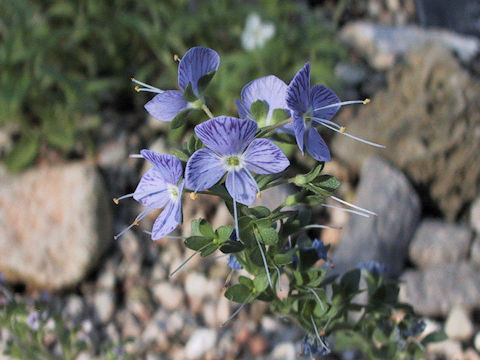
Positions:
{"x": 259, "y": 195}
{"x": 137, "y": 88}
{"x": 193, "y": 196}
{"x": 136, "y": 223}
{"x": 176, "y": 57}
{"x": 115, "y": 200}
{"x": 343, "y": 129}
{"x": 366, "y": 101}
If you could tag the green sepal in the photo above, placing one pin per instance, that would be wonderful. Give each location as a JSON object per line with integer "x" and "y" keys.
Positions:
{"x": 180, "y": 119}
{"x": 327, "y": 182}
{"x": 434, "y": 337}
{"x": 350, "y": 281}
{"x": 203, "y": 82}
{"x": 188, "y": 94}
{"x": 256, "y": 212}
{"x": 179, "y": 154}
{"x": 197, "y": 242}
{"x": 301, "y": 180}
{"x": 278, "y": 115}
{"x": 259, "y": 111}
{"x": 238, "y": 293}
{"x": 229, "y": 247}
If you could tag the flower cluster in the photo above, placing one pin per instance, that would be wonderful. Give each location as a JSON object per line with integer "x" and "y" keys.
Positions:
{"x": 236, "y": 158}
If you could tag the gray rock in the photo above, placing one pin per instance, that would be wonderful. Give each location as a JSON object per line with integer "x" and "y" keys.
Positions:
{"x": 104, "y": 302}
{"x": 273, "y": 197}
{"x": 436, "y": 290}
{"x": 449, "y": 349}
{"x": 476, "y": 341}
{"x": 350, "y": 74}
{"x": 55, "y": 224}
{"x": 200, "y": 342}
{"x": 169, "y": 296}
{"x": 284, "y": 351}
{"x": 382, "y": 45}
{"x": 429, "y": 120}
{"x": 384, "y": 237}
{"x": 475, "y": 252}
{"x": 475, "y": 215}
{"x": 458, "y": 325}
{"x": 436, "y": 242}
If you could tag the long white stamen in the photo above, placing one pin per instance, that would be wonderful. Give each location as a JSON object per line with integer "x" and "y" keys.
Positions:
{"x": 135, "y": 222}
{"x": 188, "y": 259}
{"x": 289, "y": 240}
{"x": 318, "y": 298}
{"x": 324, "y": 121}
{"x": 117, "y": 200}
{"x": 148, "y": 88}
{"x": 353, "y": 206}
{"x": 265, "y": 264}
{"x": 354, "y": 137}
{"x": 279, "y": 283}
{"x": 343, "y": 103}
{"x": 235, "y": 313}
{"x": 346, "y": 210}
{"x": 135, "y": 156}
{"x": 315, "y": 226}
{"x": 318, "y": 335}
{"x": 125, "y": 230}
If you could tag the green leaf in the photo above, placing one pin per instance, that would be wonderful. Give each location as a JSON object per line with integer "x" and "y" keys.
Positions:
{"x": 328, "y": 182}
{"x": 223, "y": 233}
{"x": 259, "y": 111}
{"x": 260, "y": 282}
{"x": 258, "y": 212}
{"x": 350, "y": 281}
{"x": 245, "y": 281}
{"x": 197, "y": 242}
{"x": 435, "y": 337}
{"x": 238, "y": 293}
{"x": 283, "y": 259}
{"x": 180, "y": 154}
{"x": 229, "y": 247}
{"x": 209, "y": 249}
{"x": 23, "y": 153}
{"x": 204, "y": 81}
{"x": 206, "y": 229}
{"x": 267, "y": 235}
{"x": 188, "y": 94}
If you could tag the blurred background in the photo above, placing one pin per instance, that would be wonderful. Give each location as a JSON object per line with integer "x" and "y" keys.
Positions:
{"x": 69, "y": 118}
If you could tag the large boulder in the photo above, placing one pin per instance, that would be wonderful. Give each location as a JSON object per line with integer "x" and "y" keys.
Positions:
{"x": 385, "y": 237}
{"x": 56, "y": 221}
{"x": 429, "y": 119}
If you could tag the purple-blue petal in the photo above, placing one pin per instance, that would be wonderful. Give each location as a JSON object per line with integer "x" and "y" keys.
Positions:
{"x": 167, "y": 105}
{"x": 233, "y": 263}
{"x": 168, "y": 220}
{"x": 152, "y": 190}
{"x": 242, "y": 186}
{"x": 323, "y": 96}
{"x": 264, "y": 157}
{"x": 316, "y": 146}
{"x": 196, "y": 62}
{"x": 298, "y": 91}
{"x": 204, "y": 169}
{"x": 169, "y": 166}
{"x": 226, "y": 135}
{"x": 268, "y": 89}
{"x": 243, "y": 111}
{"x": 299, "y": 130}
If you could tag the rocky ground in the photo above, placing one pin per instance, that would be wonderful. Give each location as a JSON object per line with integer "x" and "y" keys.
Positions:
{"x": 56, "y": 232}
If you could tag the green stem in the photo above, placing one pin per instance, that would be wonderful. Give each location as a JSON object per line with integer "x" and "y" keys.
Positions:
{"x": 270, "y": 129}
{"x": 207, "y": 111}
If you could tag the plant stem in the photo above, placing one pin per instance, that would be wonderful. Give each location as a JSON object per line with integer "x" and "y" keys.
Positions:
{"x": 207, "y": 111}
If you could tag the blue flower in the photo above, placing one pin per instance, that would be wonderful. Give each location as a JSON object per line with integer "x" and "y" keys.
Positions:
{"x": 416, "y": 327}
{"x": 232, "y": 149}
{"x": 373, "y": 267}
{"x": 33, "y": 320}
{"x": 197, "y": 62}
{"x": 160, "y": 187}
{"x": 315, "y": 106}
{"x": 314, "y": 346}
{"x": 319, "y": 247}
{"x": 233, "y": 263}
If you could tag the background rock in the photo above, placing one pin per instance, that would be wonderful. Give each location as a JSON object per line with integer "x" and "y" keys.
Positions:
{"x": 385, "y": 237}
{"x": 436, "y": 242}
{"x": 475, "y": 215}
{"x": 475, "y": 252}
{"x": 382, "y": 45}
{"x": 429, "y": 119}
{"x": 458, "y": 325}
{"x": 434, "y": 291}
{"x": 56, "y": 222}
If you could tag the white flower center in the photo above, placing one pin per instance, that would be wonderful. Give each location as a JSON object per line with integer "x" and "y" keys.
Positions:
{"x": 233, "y": 162}
{"x": 172, "y": 192}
